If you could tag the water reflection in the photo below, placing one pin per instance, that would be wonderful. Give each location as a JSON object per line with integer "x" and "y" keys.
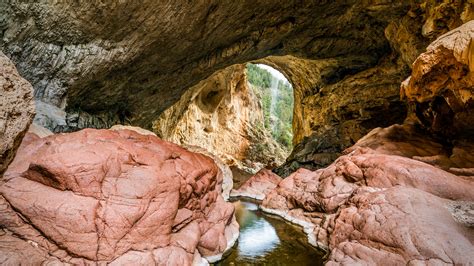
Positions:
{"x": 257, "y": 236}
{"x": 266, "y": 240}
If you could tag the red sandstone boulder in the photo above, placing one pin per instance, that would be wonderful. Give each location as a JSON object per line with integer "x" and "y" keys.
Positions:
{"x": 373, "y": 207}
{"x": 412, "y": 142}
{"x": 399, "y": 226}
{"x": 258, "y": 186}
{"x": 115, "y": 196}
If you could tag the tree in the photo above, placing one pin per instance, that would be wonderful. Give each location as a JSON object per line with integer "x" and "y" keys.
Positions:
{"x": 278, "y": 115}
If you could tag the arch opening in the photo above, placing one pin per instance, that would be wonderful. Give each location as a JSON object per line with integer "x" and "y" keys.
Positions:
{"x": 275, "y": 95}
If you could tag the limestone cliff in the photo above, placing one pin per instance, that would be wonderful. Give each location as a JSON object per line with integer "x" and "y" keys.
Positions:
{"x": 222, "y": 115}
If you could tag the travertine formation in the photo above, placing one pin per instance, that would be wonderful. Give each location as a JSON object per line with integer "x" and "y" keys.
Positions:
{"x": 222, "y": 115}
{"x": 338, "y": 100}
{"x": 402, "y": 194}
{"x": 108, "y": 68}
{"x": 92, "y": 58}
{"x": 112, "y": 196}
{"x": 16, "y": 110}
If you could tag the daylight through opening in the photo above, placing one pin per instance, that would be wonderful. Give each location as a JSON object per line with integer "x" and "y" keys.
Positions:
{"x": 275, "y": 94}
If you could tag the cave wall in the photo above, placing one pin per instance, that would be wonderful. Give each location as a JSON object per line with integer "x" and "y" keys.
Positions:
{"x": 341, "y": 99}
{"x": 97, "y": 64}
{"x": 223, "y": 115}
{"x": 16, "y": 110}
{"x": 134, "y": 60}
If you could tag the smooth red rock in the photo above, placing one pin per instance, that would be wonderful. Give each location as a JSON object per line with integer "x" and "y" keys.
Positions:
{"x": 399, "y": 226}
{"x": 98, "y": 195}
{"x": 258, "y": 185}
{"x": 372, "y": 207}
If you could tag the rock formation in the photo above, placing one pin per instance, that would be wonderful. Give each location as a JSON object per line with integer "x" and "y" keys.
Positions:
{"x": 112, "y": 196}
{"x": 108, "y": 68}
{"x": 366, "y": 204}
{"x": 134, "y": 67}
{"x": 223, "y": 116}
{"x": 401, "y": 194}
{"x": 442, "y": 83}
{"x": 257, "y": 186}
{"x": 16, "y": 110}
{"x": 339, "y": 100}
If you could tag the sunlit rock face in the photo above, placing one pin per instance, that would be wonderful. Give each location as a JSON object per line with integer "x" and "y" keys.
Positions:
{"x": 441, "y": 87}
{"x": 16, "y": 110}
{"x": 113, "y": 196}
{"x": 222, "y": 115}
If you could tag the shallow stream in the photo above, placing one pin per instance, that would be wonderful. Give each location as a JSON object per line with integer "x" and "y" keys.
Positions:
{"x": 268, "y": 240}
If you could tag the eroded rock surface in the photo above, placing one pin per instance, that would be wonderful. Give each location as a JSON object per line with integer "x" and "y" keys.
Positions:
{"x": 338, "y": 100}
{"x": 367, "y": 204}
{"x": 441, "y": 86}
{"x": 16, "y": 110}
{"x": 111, "y": 65}
{"x": 113, "y": 196}
{"x": 257, "y": 186}
{"x": 222, "y": 115}
{"x": 400, "y": 226}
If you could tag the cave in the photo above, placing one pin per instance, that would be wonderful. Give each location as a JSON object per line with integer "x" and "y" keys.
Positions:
{"x": 131, "y": 135}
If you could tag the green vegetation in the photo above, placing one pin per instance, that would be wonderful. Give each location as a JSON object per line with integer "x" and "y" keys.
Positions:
{"x": 279, "y": 114}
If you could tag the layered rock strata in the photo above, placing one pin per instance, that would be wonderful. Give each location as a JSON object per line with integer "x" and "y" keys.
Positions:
{"x": 118, "y": 197}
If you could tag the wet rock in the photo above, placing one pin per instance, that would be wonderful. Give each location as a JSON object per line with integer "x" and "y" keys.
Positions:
{"x": 120, "y": 196}
{"x": 257, "y": 186}
{"x": 16, "y": 110}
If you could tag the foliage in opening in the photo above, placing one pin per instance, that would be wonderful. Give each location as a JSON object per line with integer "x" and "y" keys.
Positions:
{"x": 279, "y": 114}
